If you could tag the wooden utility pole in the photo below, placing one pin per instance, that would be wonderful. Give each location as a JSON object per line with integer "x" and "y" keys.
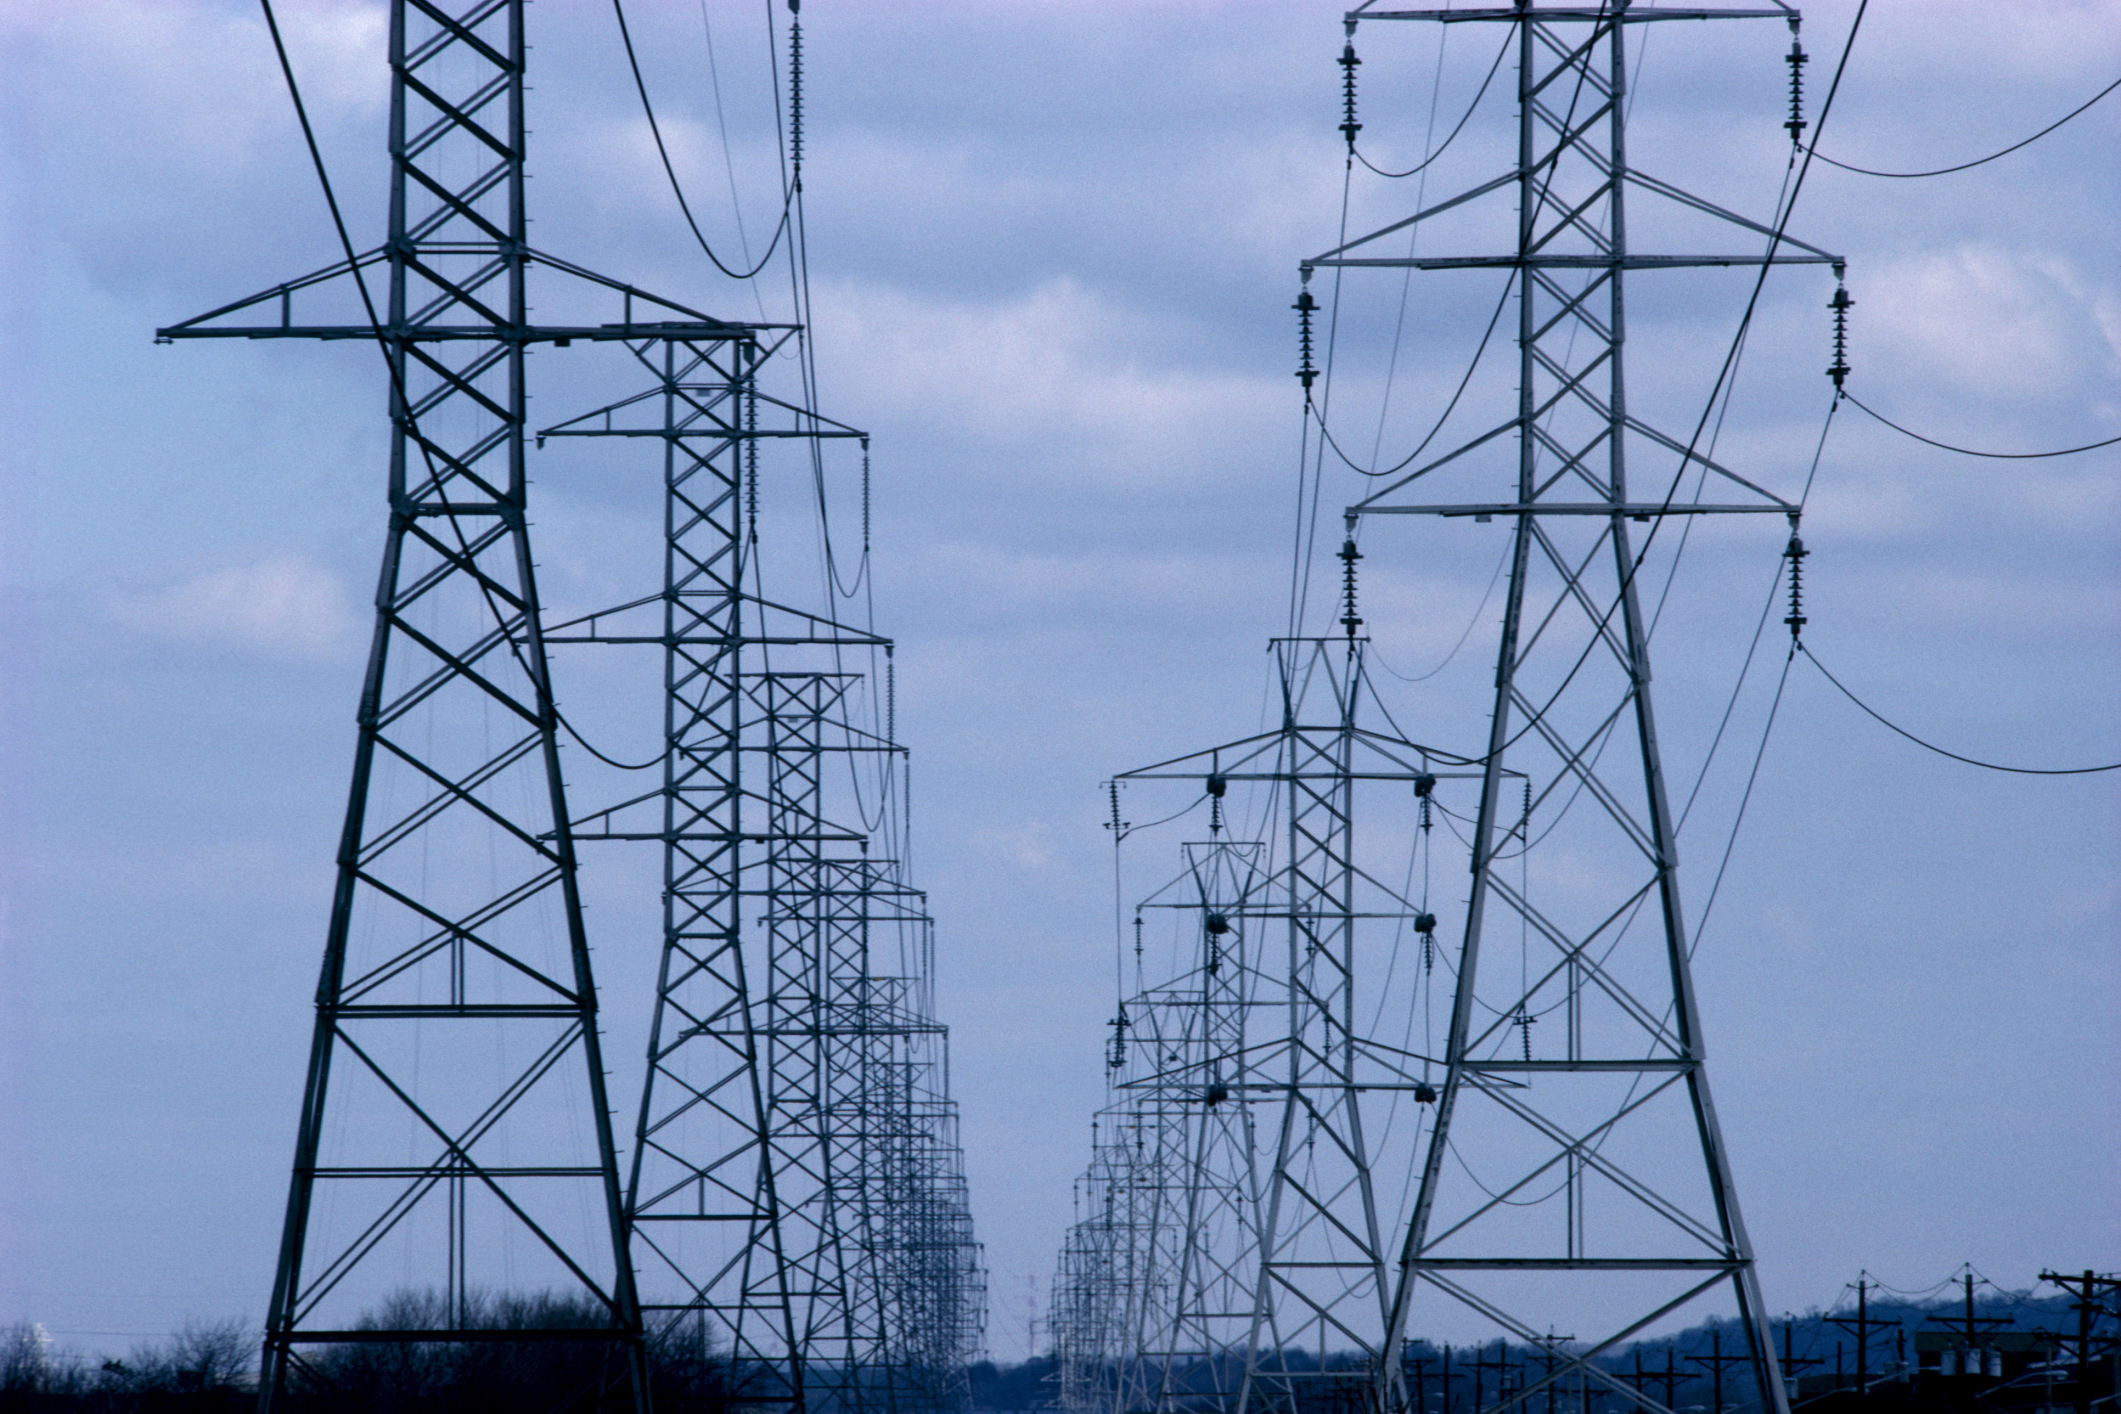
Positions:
{"x": 1971, "y": 1328}
{"x": 2089, "y": 1308}
{"x": 1861, "y": 1327}
{"x": 1716, "y": 1360}
{"x": 1792, "y": 1367}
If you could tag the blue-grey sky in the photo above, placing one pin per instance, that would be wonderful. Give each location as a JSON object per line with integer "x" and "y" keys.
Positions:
{"x": 1052, "y": 251}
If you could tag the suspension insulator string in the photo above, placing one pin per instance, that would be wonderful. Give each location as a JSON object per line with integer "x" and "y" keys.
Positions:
{"x": 1524, "y": 1017}
{"x": 865, "y": 497}
{"x": 1841, "y": 304}
{"x": 751, "y": 452}
{"x": 1797, "y": 60}
{"x": 1137, "y": 939}
{"x": 1795, "y": 553}
{"x": 1305, "y": 306}
{"x": 1348, "y": 556}
{"x": 1348, "y": 64}
{"x": 795, "y": 92}
{"x": 1118, "y": 1057}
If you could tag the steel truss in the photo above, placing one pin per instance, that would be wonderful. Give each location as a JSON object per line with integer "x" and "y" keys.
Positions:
{"x": 455, "y": 1136}
{"x": 456, "y": 1177}
{"x": 796, "y": 1195}
{"x": 1238, "y": 1227}
{"x": 1584, "y": 1176}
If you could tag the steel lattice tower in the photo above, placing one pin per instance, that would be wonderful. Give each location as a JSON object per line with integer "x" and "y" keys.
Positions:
{"x": 1290, "y": 1041}
{"x": 1266, "y": 1259}
{"x": 1610, "y": 1119}
{"x": 794, "y": 1148}
{"x": 1188, "y": 1046}
{"x": 454, "y": 1130}
{"x": 795, "y": 1123}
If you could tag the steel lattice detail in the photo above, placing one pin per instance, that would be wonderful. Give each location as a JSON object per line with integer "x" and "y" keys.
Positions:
{"x": 455, "y": 1141}
{"x": 1238, "y": 1232}
{"x": 1586, "y": 1173}
{"x": 795, "y": 1183}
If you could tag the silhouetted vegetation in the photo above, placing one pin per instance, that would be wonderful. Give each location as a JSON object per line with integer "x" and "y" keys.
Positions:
{"x": 211, "y": 1369}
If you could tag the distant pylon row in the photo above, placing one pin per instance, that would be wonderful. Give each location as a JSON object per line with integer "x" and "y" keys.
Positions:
{"x": 1332, "y": 1133}
{"x": 792, "y": 1232}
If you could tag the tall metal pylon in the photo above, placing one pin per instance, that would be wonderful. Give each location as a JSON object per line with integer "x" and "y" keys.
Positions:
{"x": 794, "y": 1178}
{"x": 455, "y": 1143}
{"x": 1577, "y": 1172}
{"x": 1284, "y": 1290}
{"x": 1273, "y": 1084}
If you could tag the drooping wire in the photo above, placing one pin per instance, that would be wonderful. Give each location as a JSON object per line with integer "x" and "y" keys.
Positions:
{"x": 721, "y": 120}
{"x": 1978, "y": 161}
{"x": 1478, "y": 353}
{"x": 677, "y": 189}
{"x": 1884, "y": 721}
{"x": 1457, "y": 128}
{"x": 1974, "y": 452}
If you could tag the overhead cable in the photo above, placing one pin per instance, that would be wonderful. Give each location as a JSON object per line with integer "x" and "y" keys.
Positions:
{"x": 641, "y": 87}
{"x": 1876, "y": 716}
{"x": 1978, "y": 161}
{"x": 1462, "y": 121}
{"x": 1973, "y": 452}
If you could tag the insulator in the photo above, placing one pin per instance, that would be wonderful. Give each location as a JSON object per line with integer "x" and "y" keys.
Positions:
{"x": 1841, "y": 304}
{"x": 1304, "y": 307}
{"x": 1524, "y": 1026}
{"x": 795, "y": 96}
{"x": 1348, "y": 64}
{"x": 1797, "y": 60}
{"x": 1348, "y": 556}
{"x": 1795, "y": 553}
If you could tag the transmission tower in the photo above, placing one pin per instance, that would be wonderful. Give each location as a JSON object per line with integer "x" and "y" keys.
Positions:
{"x": 1278, "y": 1068}
{"x": 1586, "y": 1173}
{"x": 795, "y": 1184}
{"x": 1297, "y": 1036}
{"x": 1188, "y": 1050}
{"x": 455, "y": 1135}
{"x": 796, "y": 1195}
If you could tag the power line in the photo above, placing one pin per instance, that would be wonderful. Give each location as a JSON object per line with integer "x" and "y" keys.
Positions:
{"x": 1970, "y": 451}
{"x": 641, "y": 86}
{"x": 1462, "y": 121}
{"x": 1978, "y": 161}
{"x": 1930, "y": 746}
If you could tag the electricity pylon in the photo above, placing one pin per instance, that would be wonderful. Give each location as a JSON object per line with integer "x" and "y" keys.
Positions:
{"x": 1587, "y": 1175}
{"x": 455, "y": 1135}
{"x": 794, "y": 1148}
{"x": 796, "y": 1184}
{"x": 1281, "y": 1237}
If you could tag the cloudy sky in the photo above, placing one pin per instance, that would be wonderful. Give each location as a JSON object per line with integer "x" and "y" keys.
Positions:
{"x": 1052, "y": 250}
